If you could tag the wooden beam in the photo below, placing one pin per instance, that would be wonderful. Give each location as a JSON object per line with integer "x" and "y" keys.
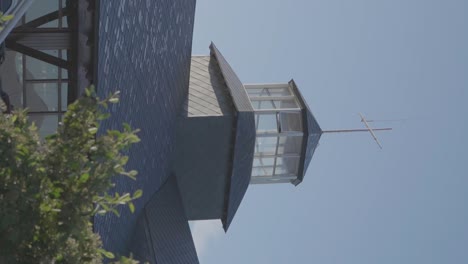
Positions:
{"x": 42, "y": 38}
{"x": 37, "y": 54}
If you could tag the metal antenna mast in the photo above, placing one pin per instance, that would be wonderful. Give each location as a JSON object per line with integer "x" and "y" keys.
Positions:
{"x": 367, "y": 129}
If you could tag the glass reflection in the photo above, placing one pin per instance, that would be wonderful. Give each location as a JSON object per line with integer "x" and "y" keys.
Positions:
{"x": 35, "y": 84}
{"x": 279, "y": 132}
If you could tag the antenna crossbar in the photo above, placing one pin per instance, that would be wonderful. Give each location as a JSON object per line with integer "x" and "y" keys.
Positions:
{"x": 367, "y": 129}
{"x": 355, "y": 130}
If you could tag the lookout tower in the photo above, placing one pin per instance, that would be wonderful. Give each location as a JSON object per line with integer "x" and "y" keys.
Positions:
{"x": 286, "y": 133}
{"x": 231, "y": 135}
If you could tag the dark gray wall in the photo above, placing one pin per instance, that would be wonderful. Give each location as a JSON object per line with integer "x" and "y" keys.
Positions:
{"x": 242, "y": 161}
{"x": 202, "y": 164}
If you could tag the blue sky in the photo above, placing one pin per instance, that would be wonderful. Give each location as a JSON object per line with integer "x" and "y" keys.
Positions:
{"x": 399, "y": 59}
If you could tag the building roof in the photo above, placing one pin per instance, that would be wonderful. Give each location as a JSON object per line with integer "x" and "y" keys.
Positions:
{"x": 312, "y": 134}
{"x": 244, "y": 141}
{"x": 162, "y": 234}
{"x": 148, "y": 60}
{"x": 208, "y": 93}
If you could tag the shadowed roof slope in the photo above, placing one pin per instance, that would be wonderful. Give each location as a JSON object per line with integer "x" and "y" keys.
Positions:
{"x": 312, "y": 134}
{"x": 244, "y": 141}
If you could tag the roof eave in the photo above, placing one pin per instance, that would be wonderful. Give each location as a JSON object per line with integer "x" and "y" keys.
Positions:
{"x": 309, "y": 130}
{"x": 243, "y": 143}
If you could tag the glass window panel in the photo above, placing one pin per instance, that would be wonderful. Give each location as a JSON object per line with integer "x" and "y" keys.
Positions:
{"x": 64, "y": 96}
{"x": 265, "y": 161}
{"x": 264, "y": 104}
{"x": 276, "y": 104}
{"x": 37, "y": 69}
{"x": 10, "y": 78}
{"x": 278, "y": 91}
{"x": 290, "y": 121}
{"x": 290, "y": 145}
{"x": 64, "y": 74}
{"x": 268, "y": 92}
{"x": 65, "y": 57}
{"x": 288, "y": 104}
{"x": 256, "y": 163}
{"x": 51, "y": 24}
{"x": 263, "y": 166}
{"x": 41, "y": 8}
{"x": 262, "y": 180}
{"x": 54, "y": 53}
{"x": 18, "y": 64}
{"x": 266, "y": 145}
{"x": 266, "y": 123}
{"x": 254, "y": 92}
{"x": 64, "y": 22}
{"x": 287, "y": 165}
{"x": 257, "y": 171}
{"x": 64, "y": 19}
{"x": 46, "y": 123}
{"x": 255, "y": 104}
{"x": 42, "y": 96}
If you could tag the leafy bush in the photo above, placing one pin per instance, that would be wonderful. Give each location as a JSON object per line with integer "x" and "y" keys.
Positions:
{"x": 50, "y": 189}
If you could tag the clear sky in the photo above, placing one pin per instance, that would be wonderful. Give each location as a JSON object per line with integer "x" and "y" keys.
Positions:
{"x": 389, "y": 59}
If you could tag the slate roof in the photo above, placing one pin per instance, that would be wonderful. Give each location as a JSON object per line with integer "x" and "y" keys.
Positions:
{"x": 163, "y": 234}
{"x": 312, "y": 134}
{"x": 208, "y": 95}
{"x": 143, "y": 50}
{"x": 244, "y": 141}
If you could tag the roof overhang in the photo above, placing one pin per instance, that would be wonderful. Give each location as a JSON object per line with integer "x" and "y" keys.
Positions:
{"x": 312, "y": 134}
{"x": 243, "y": 143}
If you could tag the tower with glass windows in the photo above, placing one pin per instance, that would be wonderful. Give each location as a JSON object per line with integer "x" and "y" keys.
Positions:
{"x": 286, "y": 133}
{"x": 231, "y": 135}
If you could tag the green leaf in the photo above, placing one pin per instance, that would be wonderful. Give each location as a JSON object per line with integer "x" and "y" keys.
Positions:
{"x": 103, "y": 116}
{"x": 105, "y": 253}
{"x": 88, "y": 91}
{"x": 114, "y": 100}
{"x": 7, "y": 18}
{"x": 56, "y": 192}
{"x": 84, "y": 177}
{"x": 101, "y": 212}
{"x": 124, "y": 199}
{"x": 131, "y": 206}
{"x": 92, "y": 130}
{"x": 115, "y": 212}
{"x": 137, "y": 194}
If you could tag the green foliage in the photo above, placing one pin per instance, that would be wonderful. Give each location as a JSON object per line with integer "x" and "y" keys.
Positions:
{"x": 50, "y": 189}
{"x": 4, "y": 19}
